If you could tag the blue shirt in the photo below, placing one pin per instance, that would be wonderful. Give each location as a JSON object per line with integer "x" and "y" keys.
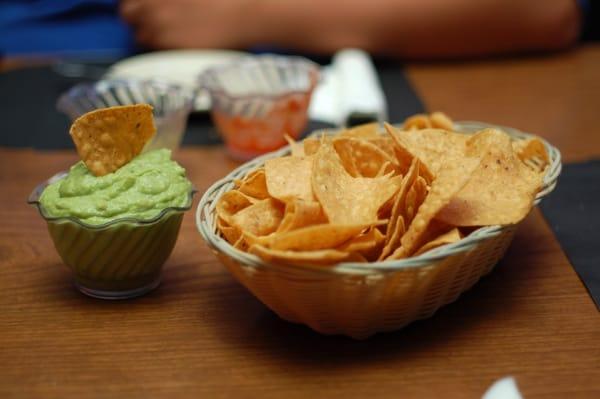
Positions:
{"x": 64, "y": 27}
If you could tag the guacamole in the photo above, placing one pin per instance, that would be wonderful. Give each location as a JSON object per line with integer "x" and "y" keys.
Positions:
{"x": 140, "y": 189}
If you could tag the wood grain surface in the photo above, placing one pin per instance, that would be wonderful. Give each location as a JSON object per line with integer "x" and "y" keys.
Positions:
{"x": 201, "y": 334}
{"x": 554, "y": 96}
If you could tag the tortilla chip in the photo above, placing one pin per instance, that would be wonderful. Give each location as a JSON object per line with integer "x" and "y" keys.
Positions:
{"x": 231, "y": 234}
{"x": 286, "y": 221}
{"x": 255, "y": 185}
{"x": 356, "y": 257}
{"x": 434, "y": 147}
{"x": 365, "y": 158}
{"x": 407, "y": 206}
{"x": 289, "y": 178}
{"x": 385, "y": 144}
{"x": 414, "y": 199}
{"x": 241, "y": 244}
{"x": 451, "y": 179}
{"x": 394, "y": 233}
{"x": 300, "y": 213}
{"x": 405, "y": 154}
{"x": 108, "y": 138}
{"x": 502, "y": 189}
{"x": 347, "y": 200}
{"x": 259, "y": 219}
{"x": 311, "y": 238}
{"x": 532, "y": 152}
{"x": 416, "y": 122}
{"x": 400, "y": 199}
{"x": 347, "y": 159}
{"x": 386, "y": 168}
{"x": 364, "y": 131}
{"x": 422, "y": 121}
{"x": 299, "y": 258}
{"x": 385, "y": 210}
{"x": 449, "y": 237}
{"x": 436, "y": 141}
{"x": 296, "y": 149}
{"x": 364, "y": 243}
{"x": 230, "y": 203}
{"x": 441, "y": 121}
{"x": 311, "y": 145}
{"x": 371, "y": 135}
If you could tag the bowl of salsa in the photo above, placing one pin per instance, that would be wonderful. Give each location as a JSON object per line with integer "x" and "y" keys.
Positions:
{"x": 258, "y": 100}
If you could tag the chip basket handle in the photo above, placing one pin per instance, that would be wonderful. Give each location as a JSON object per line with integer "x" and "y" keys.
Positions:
{"x": 204, "y": 211}
{"x": 551, "y": 177}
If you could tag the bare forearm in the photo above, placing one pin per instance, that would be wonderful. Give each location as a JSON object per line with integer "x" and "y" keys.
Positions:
{"x": 419, "y": 29}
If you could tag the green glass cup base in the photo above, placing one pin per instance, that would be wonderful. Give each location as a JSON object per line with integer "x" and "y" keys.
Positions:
{"x": 94, "y": 291}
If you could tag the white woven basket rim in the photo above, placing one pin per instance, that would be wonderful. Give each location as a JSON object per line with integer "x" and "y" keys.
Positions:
{"x": 206, "y": 223}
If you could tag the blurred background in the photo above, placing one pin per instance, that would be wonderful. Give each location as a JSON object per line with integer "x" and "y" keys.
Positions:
{"x": 63, "y": 43}
{"x": 403, "y": 29}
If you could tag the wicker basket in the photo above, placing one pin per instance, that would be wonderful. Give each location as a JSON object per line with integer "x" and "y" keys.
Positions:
{"x": 358, "y": 299}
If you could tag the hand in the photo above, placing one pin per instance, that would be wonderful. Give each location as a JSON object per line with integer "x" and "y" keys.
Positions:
{"x": 190, "y": 23}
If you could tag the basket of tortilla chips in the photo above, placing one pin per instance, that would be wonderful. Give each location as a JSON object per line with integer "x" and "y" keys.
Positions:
{"x": 367, "y": 229}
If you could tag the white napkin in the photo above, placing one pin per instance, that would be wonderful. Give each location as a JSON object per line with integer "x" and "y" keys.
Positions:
{"x": 505, "y": 388}
{"x": 349, "y": 87}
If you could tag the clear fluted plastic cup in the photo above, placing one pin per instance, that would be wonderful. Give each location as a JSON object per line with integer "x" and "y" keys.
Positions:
{"x": 120, "y": 259}
{"x": 257, "y": 100}
{"x": 172, "y": 104}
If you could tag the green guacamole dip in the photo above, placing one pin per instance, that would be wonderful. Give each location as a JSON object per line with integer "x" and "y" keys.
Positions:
{"x": 140, "y": 189}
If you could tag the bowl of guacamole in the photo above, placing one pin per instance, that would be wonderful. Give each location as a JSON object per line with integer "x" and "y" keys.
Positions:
{"x": 116, "y": 231}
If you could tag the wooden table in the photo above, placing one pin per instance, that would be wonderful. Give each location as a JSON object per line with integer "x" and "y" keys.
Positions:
{"x": 200, "y": 334}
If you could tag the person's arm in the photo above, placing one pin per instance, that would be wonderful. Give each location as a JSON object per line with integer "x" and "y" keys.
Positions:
{"x": 423, "y": 28}
{"x": 402, "y": 28}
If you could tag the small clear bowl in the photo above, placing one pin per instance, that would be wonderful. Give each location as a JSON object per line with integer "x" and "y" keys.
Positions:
{"x": 258, "y": 99}
{"x": 120, "y": 259}
{"x": 172, "y": 104}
